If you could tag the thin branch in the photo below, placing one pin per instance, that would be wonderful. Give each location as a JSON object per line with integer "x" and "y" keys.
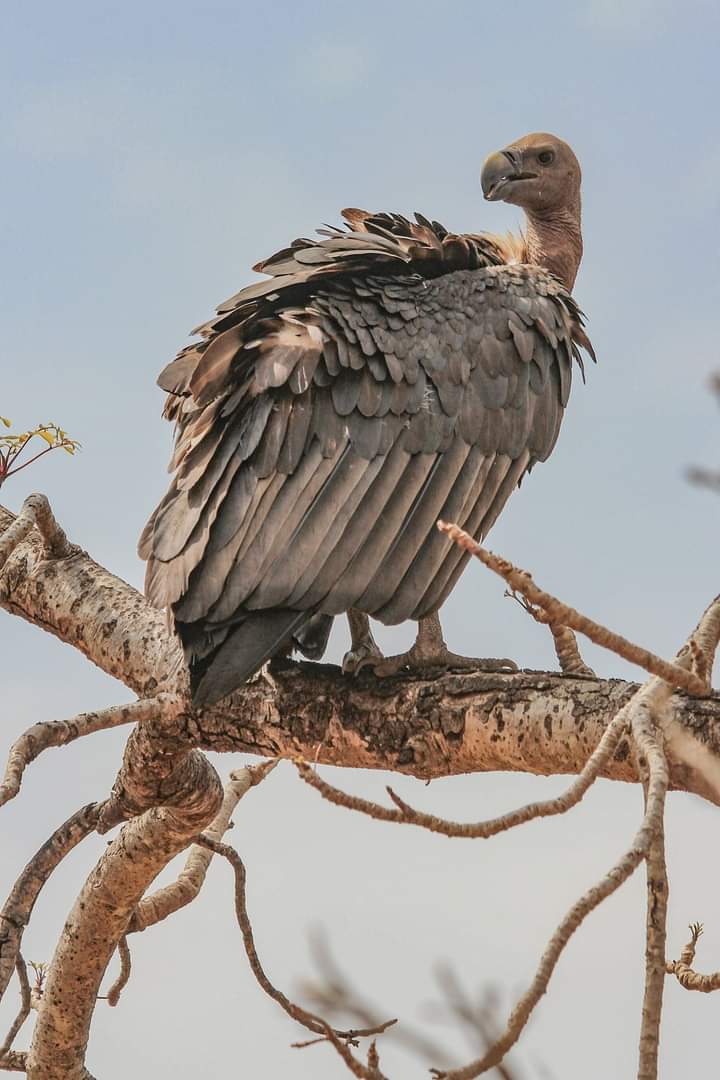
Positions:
{"x": 313, "y": 1023}
{"x": 36, "y": 513}
{"x": 703, "y": 642}
{"x": 14, "y": 1061}
{"x": 557, "y": 611}
{"x": 49, "y": 733}
{"x": 18, "y": 907}
{"x": 113, "y": 994}
{"x": 25, "y": 1006}
{"x": 169, "y": 899}
{"x": 407, "y": 815}
{"x": 565, "y": 642}
{"x": 683, "y": 971}
{"x": 647, "y": 721}
{"x": 620, "y": 872}
{"x": 334, "y": 996}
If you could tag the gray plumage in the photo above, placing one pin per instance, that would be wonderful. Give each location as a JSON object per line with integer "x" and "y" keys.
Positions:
{"x": 380, "y": 379}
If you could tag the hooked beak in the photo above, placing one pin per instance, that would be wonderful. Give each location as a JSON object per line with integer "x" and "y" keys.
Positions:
{"x": 501, "y": 170}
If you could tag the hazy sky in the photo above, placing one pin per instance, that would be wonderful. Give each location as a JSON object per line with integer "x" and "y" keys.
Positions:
{"x": 153, "y": 152}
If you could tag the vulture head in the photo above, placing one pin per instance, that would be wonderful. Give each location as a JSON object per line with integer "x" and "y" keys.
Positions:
{"x": 538, "y": 172}
{"x": 541, "y": 174}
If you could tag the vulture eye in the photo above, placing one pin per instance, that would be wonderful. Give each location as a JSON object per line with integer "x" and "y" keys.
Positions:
{"x": 545, "y": 157}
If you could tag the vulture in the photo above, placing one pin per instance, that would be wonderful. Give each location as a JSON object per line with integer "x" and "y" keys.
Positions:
{"x": 381, "y": 377}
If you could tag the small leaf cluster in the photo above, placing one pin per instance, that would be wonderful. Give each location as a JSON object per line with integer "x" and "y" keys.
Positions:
{"x": 12, "y": 446}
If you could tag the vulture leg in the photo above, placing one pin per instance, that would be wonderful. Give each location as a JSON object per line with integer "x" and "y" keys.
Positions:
{"x": 363, "y": 647}
{"x": 430, "y": 651}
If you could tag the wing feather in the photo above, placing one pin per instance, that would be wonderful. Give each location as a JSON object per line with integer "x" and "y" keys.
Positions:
{"x": 382, "y": 378}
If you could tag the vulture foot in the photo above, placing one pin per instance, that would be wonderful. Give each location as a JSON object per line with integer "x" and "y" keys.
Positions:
{"x": 429, "y": 652}
{"x": 364, "y": 650}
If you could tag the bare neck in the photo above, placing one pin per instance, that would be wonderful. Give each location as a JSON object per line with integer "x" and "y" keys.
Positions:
{"x": 554, "y": 240}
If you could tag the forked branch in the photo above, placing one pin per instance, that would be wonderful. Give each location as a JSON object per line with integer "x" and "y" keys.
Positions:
{"x": 557, "y": 611}
{"x": 339, "y": 1039}
{"x": 407, "y": 815}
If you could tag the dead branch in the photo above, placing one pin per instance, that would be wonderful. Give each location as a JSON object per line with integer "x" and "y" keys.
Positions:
{"x": 647, "y": 724}
{"x": 703, "y": 642}
{"x": 25, "y": 1006}
{"x": 407, "y": 815}
{"x": 35, "y": 513}
{"x": 620, "y": 872}
{"x": 164, "y": 902}
{"x": 431, "y": 727}
{"x": 565, "y": 642}
{"x": 557, "y": 611}
{"x": 18, "y": 907}
{"x": 683, "y": 971}
{"x": 316, "y": 1024}
{"x": 332, "y": 995}
{"x": 48, "y": 733}
{"x": 100, "y": 917}
{"x": 16, "y": 1061}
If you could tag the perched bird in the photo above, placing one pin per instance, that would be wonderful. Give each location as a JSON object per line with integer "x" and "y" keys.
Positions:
{"x": 384, "y": 376}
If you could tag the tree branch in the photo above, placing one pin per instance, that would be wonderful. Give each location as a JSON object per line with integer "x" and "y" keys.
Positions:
{"x": 166, "y": 901}
{"x": 407, "y": 815}
{"x": 683, "y": 971}
{"x": 100, "y": 918}
{"x": 530, "y": 722}
{"x": 49, "y": 733}
{"x": 558, "y": 612}
{"x": 18, "y": 907}
{"x": 620, "y": 872}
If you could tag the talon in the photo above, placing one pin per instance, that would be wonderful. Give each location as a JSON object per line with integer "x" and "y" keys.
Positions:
{"x": 365, "y": 655}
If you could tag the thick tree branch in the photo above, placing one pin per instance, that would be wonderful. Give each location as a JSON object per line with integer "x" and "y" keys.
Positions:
{"x": 531, "y": 722}
{"x": 86, "y": 606}
{"x": 407, "y": 815}
{"x": 164, "y": 902}
{"x": 99, "y": 919}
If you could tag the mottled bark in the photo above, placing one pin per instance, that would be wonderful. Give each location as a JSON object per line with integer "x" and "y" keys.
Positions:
{"x": 454, "y": 723}
{"x": 531, "y": 722}
{"x": 98, "y": 921}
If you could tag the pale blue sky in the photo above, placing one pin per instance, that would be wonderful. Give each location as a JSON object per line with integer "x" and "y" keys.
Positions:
{"x": 153, "y": 152}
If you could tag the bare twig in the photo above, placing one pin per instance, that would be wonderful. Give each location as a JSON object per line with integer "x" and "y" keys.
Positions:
{"x": 565, "y": 642}
{"x": 14, "y": 1061}
{"x": 49, "y": 733}
{"x": 557, "y": 611}
{"x": 25, "y": 1006}
{"x": 113, "y": 994}
{"x": 620, "y": 872}
{"x": 164, "y": 902}
{"x": 407, "y": 815}
{"x": 316, "y": 1024}
{"x": 647, "y": 736}
{"x": 333, "y": 996}
{"x": 683, "y": 971}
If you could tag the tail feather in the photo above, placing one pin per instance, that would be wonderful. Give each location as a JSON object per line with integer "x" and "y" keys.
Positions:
{"x": 242, "y": 653}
